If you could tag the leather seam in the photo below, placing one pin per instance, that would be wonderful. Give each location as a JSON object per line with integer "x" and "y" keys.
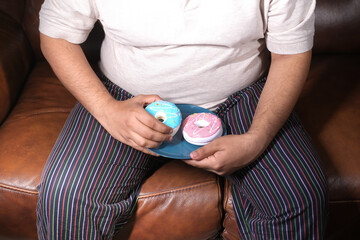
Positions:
{"x": 150, "y": 195}
{"x": 21, "y": 190}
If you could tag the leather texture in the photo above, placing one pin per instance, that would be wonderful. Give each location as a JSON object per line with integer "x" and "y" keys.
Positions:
{"x": 30, "y": 24}
{"x": 30, "y": 131}
{"x": 13, "y": 8}
{"x": 17, "y": 214}
{"x": 337, "y": 26}
{"x": 330, "y": 111}
{"x": 230, "y": 228}
{"x": 15, "y": 62}
{"x": 178, "y": 206}
{"x": 177, "y": 201}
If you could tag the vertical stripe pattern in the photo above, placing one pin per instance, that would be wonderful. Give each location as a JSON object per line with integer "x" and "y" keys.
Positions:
{"x": 91, "y": 181}
{"x": 283, "y": 194}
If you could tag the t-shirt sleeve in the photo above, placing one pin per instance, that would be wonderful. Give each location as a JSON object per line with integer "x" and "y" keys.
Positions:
{"x": 290, "y": 28}
{"x": 71, "y": 20}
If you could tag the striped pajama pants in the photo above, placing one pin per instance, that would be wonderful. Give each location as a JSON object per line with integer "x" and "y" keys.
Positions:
{"x": 91, "y": 181}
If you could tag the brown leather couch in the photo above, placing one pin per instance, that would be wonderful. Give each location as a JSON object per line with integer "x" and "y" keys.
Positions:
{"x": 178, "y": 201}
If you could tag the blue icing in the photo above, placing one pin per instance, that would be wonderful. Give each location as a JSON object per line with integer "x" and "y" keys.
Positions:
{"x": 166, "y": 112}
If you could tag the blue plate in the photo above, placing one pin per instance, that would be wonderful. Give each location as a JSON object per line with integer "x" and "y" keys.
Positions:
{"x": 179, "y": 148}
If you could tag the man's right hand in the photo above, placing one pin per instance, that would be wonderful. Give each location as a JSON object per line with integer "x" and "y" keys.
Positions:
{"x": 129, "y": 122}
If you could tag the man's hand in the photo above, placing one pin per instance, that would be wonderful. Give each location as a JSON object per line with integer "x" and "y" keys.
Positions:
{"x": 130, "y": 123}
{"x": 227, "y": 154}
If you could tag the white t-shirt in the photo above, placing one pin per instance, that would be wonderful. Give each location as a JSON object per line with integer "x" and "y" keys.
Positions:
{"x": 186, "y": 51}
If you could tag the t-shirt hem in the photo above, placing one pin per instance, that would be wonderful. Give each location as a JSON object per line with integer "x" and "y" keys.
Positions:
{"x": 57, "y": 32}
{"x": 290, "y": 48}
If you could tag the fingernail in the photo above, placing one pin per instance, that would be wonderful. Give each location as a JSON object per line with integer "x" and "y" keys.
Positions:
{"x": 194, "y": 155}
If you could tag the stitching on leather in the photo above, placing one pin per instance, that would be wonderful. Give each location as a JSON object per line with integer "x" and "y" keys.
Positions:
{"x": 150, "y": 195}
{"x": 21, "y": 190}
{"x": 140, "y": 197}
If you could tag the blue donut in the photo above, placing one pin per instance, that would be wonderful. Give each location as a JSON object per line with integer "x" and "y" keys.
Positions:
{"x": 166, "y": 112}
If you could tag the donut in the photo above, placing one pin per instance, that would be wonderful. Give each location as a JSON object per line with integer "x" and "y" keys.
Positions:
{"x": 201, "y": 128}
{"x": 166, "y": 112}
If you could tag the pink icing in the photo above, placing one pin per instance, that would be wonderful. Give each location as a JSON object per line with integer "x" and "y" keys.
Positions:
{"x": 191, "y": 125}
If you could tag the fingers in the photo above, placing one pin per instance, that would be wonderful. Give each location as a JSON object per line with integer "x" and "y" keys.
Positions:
{"x": 142, "y": 127}
{"x": 210, "y": 164}
{"x": 152, "y": 123}
{"x": 143, "y": 142}
{"x": 210, "y": 158}
{"x": 130, "y": 123}
{"x": 204, "y": 152}
{"x": 134, "y": 144}
{"x": 148, "y": 132}
{"x": 203, "y": 157}
{"x": 149, "y": 120}
{"x": 225, "y": 155}
{"x": 142, "y": 149}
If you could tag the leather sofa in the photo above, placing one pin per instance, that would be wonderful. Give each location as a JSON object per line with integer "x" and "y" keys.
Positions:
{"x": 177, "y": 201}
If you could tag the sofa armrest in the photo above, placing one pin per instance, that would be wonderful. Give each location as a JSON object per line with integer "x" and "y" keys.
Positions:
{"x": 15, "y": 62}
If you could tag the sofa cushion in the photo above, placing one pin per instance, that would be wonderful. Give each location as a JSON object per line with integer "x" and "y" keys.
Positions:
{"x": 177, "y": 202}
{"x": 231, "y": 231}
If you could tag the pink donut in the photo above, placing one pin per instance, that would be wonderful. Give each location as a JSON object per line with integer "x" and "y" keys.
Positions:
{"x": 201, "y": 128}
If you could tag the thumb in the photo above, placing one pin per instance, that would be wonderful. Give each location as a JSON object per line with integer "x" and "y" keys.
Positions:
{"x": 203, "y": 152}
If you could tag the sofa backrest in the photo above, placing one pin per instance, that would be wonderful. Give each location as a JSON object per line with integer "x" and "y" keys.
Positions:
{"x": 337, "y": 26}
{"x": 14, "y": 8}
{"x": 26, "y": 13}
